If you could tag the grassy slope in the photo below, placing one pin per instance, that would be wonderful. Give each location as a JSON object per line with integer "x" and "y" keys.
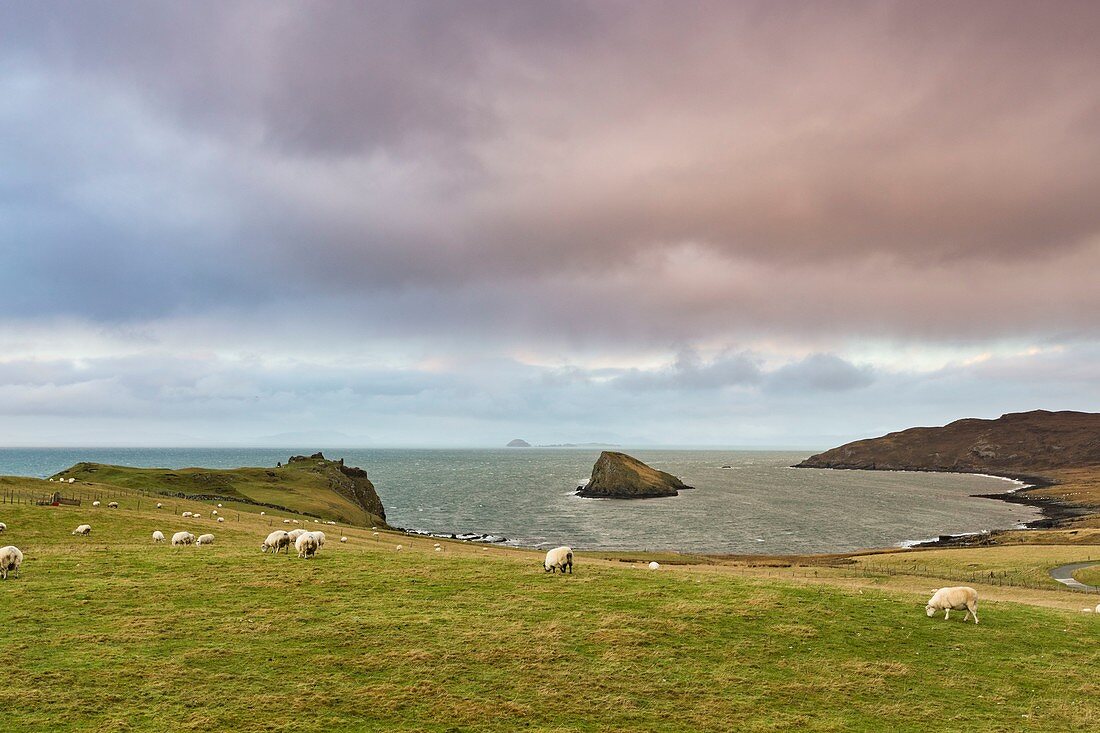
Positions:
{"x": 112, "y": 633}
{"x": 301, "y": 486}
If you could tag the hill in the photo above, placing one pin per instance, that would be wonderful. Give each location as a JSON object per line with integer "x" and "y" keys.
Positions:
{"x": 111, "y": 632}
{"x": 311, "y": 485}
{"x": 1016, "y": 443}
{"x": 518, "y": 443}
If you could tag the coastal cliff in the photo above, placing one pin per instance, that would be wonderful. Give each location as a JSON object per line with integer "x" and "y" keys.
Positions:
{"x": 1013, "y": 444}
{"x": 619, "y": 476}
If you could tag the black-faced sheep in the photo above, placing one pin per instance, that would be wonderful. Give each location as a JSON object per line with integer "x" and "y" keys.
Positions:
{"x": 559, "y": 557}
{"x": 10, "y": 559}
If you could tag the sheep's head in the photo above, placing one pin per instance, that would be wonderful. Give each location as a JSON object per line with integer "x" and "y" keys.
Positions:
{"x": 929, "y": 610}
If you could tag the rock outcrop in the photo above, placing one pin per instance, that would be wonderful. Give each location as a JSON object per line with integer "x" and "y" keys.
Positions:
{"x": 518, "y": 443}
{"x": 1016, "y": 443}
{"x": 618, "y": 476}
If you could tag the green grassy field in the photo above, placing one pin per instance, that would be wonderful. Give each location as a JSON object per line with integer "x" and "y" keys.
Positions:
{"x": 112, "y": 633}
{"x": 303, "y": 486}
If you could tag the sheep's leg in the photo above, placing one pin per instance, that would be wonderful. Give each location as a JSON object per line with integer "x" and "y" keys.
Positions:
{"x": 967, "y": 616}
{"x": 946, "y": 613}
{"x": 974, "y": 611}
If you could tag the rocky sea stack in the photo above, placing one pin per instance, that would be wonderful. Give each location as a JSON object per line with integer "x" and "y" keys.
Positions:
{"x": 618, "y": 476}
{"x": 518, "y": 443}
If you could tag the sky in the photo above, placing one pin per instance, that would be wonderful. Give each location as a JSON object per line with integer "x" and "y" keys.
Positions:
{"x": 747, "y": 224}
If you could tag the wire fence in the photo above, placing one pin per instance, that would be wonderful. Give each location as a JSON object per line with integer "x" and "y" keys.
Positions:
{"x": 133, "y": 498}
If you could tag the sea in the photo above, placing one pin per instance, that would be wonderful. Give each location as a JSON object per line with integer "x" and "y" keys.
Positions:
{"x": 742, "y": 501}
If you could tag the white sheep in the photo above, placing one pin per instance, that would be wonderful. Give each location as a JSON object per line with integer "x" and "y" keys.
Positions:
{"x": 112, "y": 505}
{"x": 83, "y": 530}
{"x": 186, "y": 514}
{"x": 1098, "y": 607}
{"x": 95, "y": 503}
{"x": 343, "y": 539}
{"x": 205, "y": 539}
{"x": 196, "y": 515}
{"x": 331, "y": 523}
{"x": 286, "y": 521}
{"x": 400, "y": 548}
{"x": 955, "y": 598}
{"x": 654, "y": 565}
{"x": 374, "y": 534}
{"x": 214, "y": 512}
{"x": 559, "y": 557}
{"x": 294, "y": 534}
{"x": 72, "y": 480}
{"x": 262, "y": 514}
{"x": 219, "y": 506}
{"x": 159, "y": 505}
{"x": 320, "y": 537}
{"x": 182, "y": 538}
{"x": 158, "y": 536}
{"x": 3, "y": 527}
{"x": 306, "y": 545}
{"x": 294, "y": 521}
{"x": 221, "y": 519}
{"x": 11, "y": 557}
{"x": 276, "y": 541}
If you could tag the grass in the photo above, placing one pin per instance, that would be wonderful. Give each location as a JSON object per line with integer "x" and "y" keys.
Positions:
{"x": 303, "y": 486}
{"x": 112, "y": 633}
{"x": 1089, "y": 576}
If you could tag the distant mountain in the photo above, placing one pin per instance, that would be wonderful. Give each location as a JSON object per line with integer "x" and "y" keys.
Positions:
{"x": 518, "y": 443}
{"x": 1018, "y": 442}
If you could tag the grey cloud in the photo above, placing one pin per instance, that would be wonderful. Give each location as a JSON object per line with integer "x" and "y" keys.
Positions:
{"x": 820, "y": 372}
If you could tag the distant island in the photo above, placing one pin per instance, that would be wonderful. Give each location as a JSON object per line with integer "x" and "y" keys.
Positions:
{"x": 518, "y": 443}
{"x": 619, "y": 476}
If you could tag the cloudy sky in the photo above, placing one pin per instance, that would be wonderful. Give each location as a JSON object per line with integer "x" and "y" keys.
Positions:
{"x": 405, "y": 223}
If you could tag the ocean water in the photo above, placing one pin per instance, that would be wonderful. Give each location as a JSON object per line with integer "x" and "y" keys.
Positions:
{"x": 756, "y": 505}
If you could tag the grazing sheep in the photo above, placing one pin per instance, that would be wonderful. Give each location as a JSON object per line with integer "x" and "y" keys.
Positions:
{"x": 196, "y": 515}
{"x": 559, "y": 557}
{"x": 276, "y": 541}
{"x": 219, "y": 506}
{"x": 112, "y": 505}
{"x": 83, "y": 530}
{"x": 956, "y": 598}
{"x": 439, "y": 549}
{"x": 320, "y": 537}
{"x": 306, "y": 545}
{"x": 186, "y": 514}
{"x": 654, "y": 565}
{"x": 374, "y": 534}
{"x": 11, "y": 558}
{"x": 205, "y": 539}
{"x": 159, "y": 505}
{"x": 158, "y": 536}
{"x": 214, "y": 512}
{"x": 95, "y": 503}
{"x": 286, "y": 521}
{"x": 343, "y": 539}
{"x": 294, "y": 534}
{"x": 221, "y": 519}
{"x": 294, "y": 521}
{"x": 331, "y": 523}
{"x": 182, "y": 538}
{"x": 72, "y": 480}
{"x": 263, "y": 514}
{"x": 400, "y": 548}
{"x": 3, "y": 526}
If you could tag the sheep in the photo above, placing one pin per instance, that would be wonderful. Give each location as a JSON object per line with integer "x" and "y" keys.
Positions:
{"x": 196, "y": 515}
{"x": 400, "y": 548}
{"x": 219, "y": 506}
{"x": 320, "y": 537}
{"x": 214, "y": 512}
{"x": 374, "y": 534}
{"x": 159, "y": 505}
{"x": 95, "y": 503}
{"x": 72, "y": 480}
{"x": 186, "y": 514}
{"x": 263, "y": 514}
{"x": 294, "y": 521}
{"x": 559, "y": 557}
{"x": 112, "y": 505}
{"x": 2, "y": 527}
{"x": 956, "y": 598}
{"x": 654, "y": 565}
{"x": 439, "y": 549}
{"x": 294, "y": 534}
{"x": 276, "y": 541}
{"x": 306, "y": 545}
{"x": 158, "y": 536}
{"x": 182, "y": 538}
{"x": 286, "y": 521}
{"x": 205, "y": 539}
{"x": 11, "y": 557}
{"x": 343, "y": 539}
{"x": 83, "y": 530}
{"x": 331, "y": 523}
